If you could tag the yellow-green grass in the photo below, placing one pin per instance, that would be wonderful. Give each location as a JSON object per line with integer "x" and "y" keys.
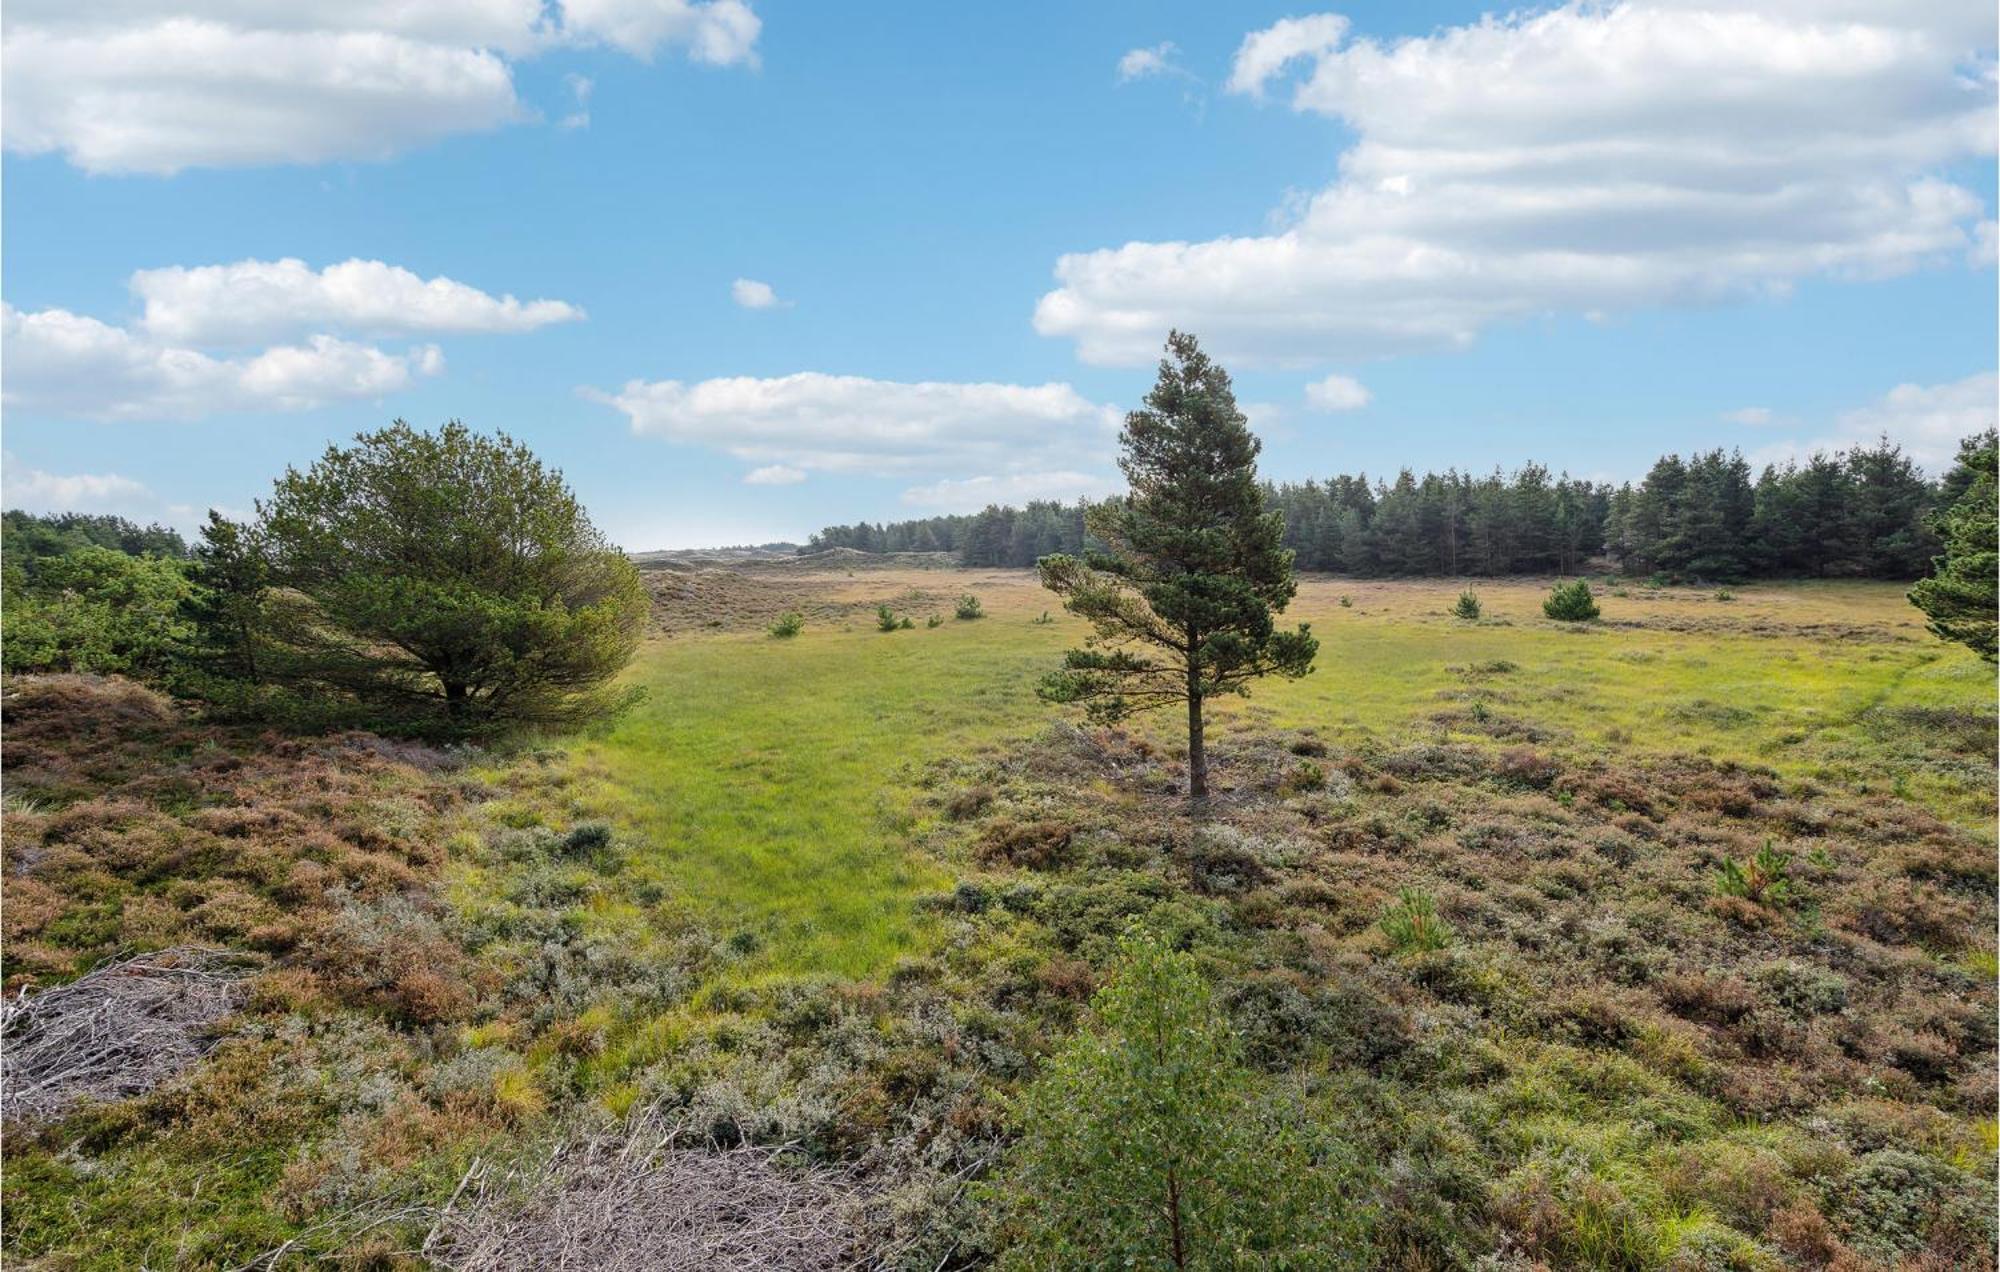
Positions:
{"x": 770, "y": 778}
{"x": 768, "y": 782}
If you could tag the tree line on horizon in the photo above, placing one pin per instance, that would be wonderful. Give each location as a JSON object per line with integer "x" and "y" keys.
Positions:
{"x": 1860, "y": 513}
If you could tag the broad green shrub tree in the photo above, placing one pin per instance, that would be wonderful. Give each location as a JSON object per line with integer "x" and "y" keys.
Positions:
{"x": 1961, "y": 599}
{"x": 1467, "y": 607}
{"x": 1571, "y": 602}
{"x": 1146, "y": 1145}
{"x": 1182, "y": 599}
{"x": 95, "y": 609}
{"x": 451, "y": 573}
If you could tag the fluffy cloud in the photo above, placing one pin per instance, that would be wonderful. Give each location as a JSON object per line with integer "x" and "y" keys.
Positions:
{"x": 751, "y": 294}
{"x": 974, "y": 493}
{"x": 1927, "y": 421}
{"x": 68, "y": 364}
{"x": 1265, "y": 53}
{"x": 1582, "y": 160}
{"x": 774, "y": 475}
{"x": 849, "y": 424}
{"x": 35, "y": 490}
{"x": 1338, "y": 393}
{"x": 718, "y": 32}
{"x": 1145, "y": 63}
{"x": 159, "y": 85}
{"x": 250, "y": 301}
{"x": 250, "y": 336}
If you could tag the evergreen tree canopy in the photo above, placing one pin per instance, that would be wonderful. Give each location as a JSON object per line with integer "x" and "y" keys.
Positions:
{"x": 1962, "y": 599}
{"x": 1182, "y": 598}
{"x": 1864, "y": 513}
{"x": 450, "y": 568}
{"x": 1146, "y": 1144}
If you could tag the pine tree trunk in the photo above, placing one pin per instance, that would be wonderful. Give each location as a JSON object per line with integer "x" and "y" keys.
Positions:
{"x": 1197, "y": 757}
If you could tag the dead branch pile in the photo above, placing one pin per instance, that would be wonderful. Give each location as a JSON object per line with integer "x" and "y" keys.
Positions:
{"x": 637, "y": 1200}
{"x": 118, "y": 1031}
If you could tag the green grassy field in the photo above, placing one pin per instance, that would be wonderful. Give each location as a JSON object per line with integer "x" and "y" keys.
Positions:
{"x": 770, "y": 778}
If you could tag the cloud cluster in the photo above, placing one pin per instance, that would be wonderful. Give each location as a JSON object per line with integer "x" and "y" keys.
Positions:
{"x": 67, "y": 364}
{"x": 37, "y": 490}
{"x": 156, "y": 86}
{"x": 1338, "y": 393}
{"x": 748, "y": 293}
{"x": 249, "y": 336}
{"x": 1926, "y": 420}
{"x": 810, "y": 422}
{"x": 1145, "y": 63}
{"x": 1588, "y": 159}
{"x": 251, "y": 300}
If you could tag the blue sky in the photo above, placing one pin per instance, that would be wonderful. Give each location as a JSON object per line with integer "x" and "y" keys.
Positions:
{"x": 1580, "y": 235}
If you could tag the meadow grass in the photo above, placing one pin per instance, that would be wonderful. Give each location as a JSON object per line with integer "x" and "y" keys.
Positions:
{"x": 769, "y": 780}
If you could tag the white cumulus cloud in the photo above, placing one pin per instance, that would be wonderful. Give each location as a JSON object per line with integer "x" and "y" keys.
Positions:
{"x": 1338, "y": 393}
{"x": 774, "y": 475}
{"x": 155, "y": 86}
{"x": 251, "y": 300}
{"x": 1264, "y": 53}
{"x": 1926, "y": 420}
{"x": 751, "y": 294}
{"x": 37, "y": 490}
{"x": 851, "y": 424}
{"x": 61, "y": 363}
{"x": 1587, "y": 159}
{"x": 250, "y": 336}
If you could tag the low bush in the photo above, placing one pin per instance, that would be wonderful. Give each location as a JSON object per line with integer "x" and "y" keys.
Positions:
{"x": 789, "y": 624}
{"x": 1413, "y": 924}
{"x": 1762, "y": 880}
{"x": 886, "y": 620}
{"x": 1467, "y": 607}
{"x": 1571, "y": 602}
{"x": 969, "y": 608}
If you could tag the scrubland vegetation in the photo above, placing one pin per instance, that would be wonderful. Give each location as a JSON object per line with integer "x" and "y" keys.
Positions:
{"x": 1511, "y": 936}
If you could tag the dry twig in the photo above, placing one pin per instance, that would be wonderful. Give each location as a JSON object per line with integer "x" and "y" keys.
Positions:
{"x": 118, "y": 1031}
{"x": 638, "y": 1201}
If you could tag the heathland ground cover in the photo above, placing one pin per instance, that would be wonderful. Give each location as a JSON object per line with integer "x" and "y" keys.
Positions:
{"x": 772, "y": 779}
{"x": 1661, "y": 941}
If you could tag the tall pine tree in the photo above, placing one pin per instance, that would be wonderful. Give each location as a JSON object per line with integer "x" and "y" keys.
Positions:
{"x": 1962, "y": 599}
{"x": 1182, "y": 601}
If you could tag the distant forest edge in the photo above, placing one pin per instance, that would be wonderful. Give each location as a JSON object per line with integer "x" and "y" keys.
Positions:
{"x": 1863, "y": 512}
